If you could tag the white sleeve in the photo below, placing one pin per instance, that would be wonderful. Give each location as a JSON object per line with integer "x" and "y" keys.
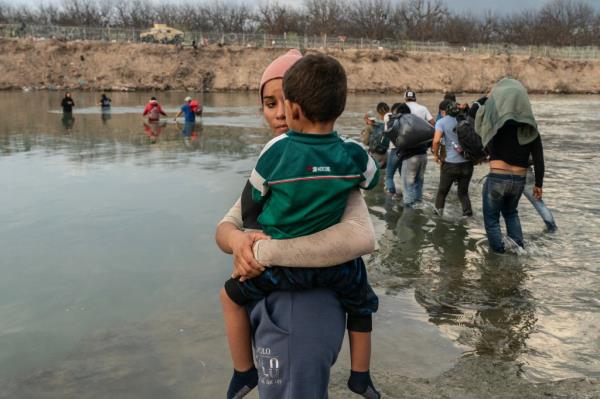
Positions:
{"x": 234, "y": 216}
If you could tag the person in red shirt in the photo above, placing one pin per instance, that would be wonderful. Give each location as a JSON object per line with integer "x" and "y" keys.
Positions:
{"x": 153, "y": 110}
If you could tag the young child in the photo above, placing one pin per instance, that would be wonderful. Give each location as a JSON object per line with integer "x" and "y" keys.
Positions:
{"x": 301, "y": 182}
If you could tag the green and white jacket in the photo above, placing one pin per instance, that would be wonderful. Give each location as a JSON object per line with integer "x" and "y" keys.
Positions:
{"x": 303, "y": 181}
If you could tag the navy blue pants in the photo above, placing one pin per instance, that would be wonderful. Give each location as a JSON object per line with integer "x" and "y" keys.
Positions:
{"x": 348, "y": 281}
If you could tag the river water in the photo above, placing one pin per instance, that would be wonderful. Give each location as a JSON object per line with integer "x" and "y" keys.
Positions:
{"x": 110, "y": 275}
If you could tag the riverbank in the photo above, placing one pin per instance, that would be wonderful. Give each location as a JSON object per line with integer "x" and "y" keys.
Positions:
{"x": 99, "y": 66}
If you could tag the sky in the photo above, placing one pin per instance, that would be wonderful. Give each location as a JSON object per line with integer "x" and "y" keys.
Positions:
{"x": 458, "y": 6}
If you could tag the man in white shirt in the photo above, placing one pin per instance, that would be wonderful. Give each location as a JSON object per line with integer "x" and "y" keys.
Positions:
{"x": 417, "y": 109}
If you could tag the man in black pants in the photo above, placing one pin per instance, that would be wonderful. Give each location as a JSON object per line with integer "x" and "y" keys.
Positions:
{"x": 455, "y": 168}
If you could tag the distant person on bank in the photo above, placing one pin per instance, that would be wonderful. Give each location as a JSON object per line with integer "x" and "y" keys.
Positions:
{"x": 153, "y": 111}
{"x": 67, "y": 103}
{"x": 508, "y": 128}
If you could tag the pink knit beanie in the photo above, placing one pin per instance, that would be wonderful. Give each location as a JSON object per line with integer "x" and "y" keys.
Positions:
{"x": 279, "y": 67}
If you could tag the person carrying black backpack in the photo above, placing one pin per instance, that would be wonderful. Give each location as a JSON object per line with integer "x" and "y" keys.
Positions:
{"x": 454, "y": 168}
{"x": 372, "y": 136}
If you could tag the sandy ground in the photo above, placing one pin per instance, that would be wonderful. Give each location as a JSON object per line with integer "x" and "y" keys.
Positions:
{"x": 55, "y": 65}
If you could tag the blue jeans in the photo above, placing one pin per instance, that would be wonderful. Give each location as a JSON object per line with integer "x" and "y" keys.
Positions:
{"x": 501, "y": 194}
{"x": 413, "y": 175}
{"x": 539, "y": 205}
{"x": 391, "y": 167}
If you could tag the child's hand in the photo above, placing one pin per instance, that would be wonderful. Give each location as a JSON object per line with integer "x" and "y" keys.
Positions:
{"x": 244, "y": 264}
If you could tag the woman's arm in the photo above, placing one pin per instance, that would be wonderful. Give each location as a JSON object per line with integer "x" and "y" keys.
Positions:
{"x": 232, "y": 240}
{"x": 537, "y": 154}
{"x": 352, "y": 237}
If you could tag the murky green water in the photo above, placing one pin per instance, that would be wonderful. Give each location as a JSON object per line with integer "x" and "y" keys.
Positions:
{"x": 109, "y": 272}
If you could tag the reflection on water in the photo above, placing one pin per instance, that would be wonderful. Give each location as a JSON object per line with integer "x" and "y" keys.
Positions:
{"x": 110, "y": 274}
{"x": 542, "y": 309}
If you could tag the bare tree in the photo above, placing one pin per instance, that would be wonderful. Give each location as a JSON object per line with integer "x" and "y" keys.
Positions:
{"x": 192, "y": 17}
{"x": 489, "y": 28}
{"x": 559, "y": 22}
{"x": 47, "y": 14}
{"x": 135, "y": 14}
{"x": 520, "y": 28}
{"x": 276, "y": 19}
{"x": 460, "y": 29}
{"x": 325, "y": 16}
{"x": 422, "y": 18}
{"x": 227, "y": 17}
{"x": 5, "y": 12}
{"x": 371, "y": 19}
{"x": 566, "y": 22}
{"x": 80, "y": 12}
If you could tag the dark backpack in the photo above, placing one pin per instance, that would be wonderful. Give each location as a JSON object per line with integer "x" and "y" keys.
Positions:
{"x": 409, "y": 132}
{"x": 378, "y": 142}
{"x": 469, "y": 140}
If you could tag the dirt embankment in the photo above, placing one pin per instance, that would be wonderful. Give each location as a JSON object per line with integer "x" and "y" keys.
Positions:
{"x": 55, "y": 65}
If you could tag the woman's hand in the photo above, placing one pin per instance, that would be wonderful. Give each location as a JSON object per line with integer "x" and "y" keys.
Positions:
{"x": 537, "y": 193}
{"x": 244, "y": 264}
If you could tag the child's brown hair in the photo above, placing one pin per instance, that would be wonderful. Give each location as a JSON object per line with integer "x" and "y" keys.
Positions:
{"x": 318, "y": 84}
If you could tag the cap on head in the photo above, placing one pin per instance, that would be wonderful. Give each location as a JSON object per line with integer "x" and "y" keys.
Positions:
{"x": 188, "y": 99}
{"x": 371, "y": 116}
{"x": 152, "y": 98}
{"x": 410, "y": 95}
{"x": 278, "y": 68}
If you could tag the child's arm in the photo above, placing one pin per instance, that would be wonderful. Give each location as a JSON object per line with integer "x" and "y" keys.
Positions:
{"x": 369, "y": 168}
{"x": 351, "y": 238}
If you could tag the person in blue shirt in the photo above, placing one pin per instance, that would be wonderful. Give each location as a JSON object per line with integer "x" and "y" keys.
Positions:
{"x": 449, "y": 97}
{"x": 187, "y": 111}
{"x": 455, "y": 168}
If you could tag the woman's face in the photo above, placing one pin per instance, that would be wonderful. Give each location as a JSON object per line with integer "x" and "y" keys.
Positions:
{"x": 273, "y": 106}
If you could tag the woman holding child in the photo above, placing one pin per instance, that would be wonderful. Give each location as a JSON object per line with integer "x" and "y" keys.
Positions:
{"x": 296, "y": 334}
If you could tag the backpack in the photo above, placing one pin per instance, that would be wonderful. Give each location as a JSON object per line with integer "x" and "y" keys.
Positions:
{"x": 378, "y": 142}
{"x": 409, "y": 132}
{"x": 469, "y": 140}
{"x": 154, "y": 113}
{"x": 196, "y": 108}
